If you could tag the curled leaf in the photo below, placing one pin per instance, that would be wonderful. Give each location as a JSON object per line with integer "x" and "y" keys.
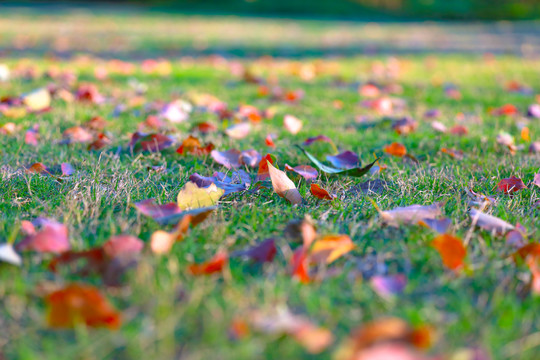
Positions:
{"x": 283, "y": 186}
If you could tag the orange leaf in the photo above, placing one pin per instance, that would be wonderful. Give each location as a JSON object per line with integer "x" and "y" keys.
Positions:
{"x": 321, "y": 193}
{"x": 214, "y": 265}
{"x": 283, "y": 186}
{"x": 330, "y": 247}
{"x": 78, "y": 303}
{"x": 451, "y": 250}
{"x": 525, "y": 134}
{"x": 396, "y": 149}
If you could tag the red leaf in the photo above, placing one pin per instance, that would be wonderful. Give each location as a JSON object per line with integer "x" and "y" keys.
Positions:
{"x": 510, "y": 185}
{"x": 300, "y": 265}
{"x": 321, "y": 193}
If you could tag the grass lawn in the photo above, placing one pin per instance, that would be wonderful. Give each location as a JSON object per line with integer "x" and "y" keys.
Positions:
{"x": 167, "y": 312}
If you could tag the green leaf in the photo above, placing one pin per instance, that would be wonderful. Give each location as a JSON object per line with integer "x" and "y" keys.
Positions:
{"x": 355, "y": 172}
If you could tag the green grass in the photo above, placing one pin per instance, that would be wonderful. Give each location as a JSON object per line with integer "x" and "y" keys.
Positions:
{"x": 168, "y": 313}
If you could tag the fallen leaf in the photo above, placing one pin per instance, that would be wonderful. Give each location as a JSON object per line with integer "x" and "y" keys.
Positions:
{"x": 451, "y": 250}
{"x": 212, "y": 266}
{"x": 329, "y": 248}
{"x": 292, "y": 124}
{"x": 299, "y": 265}
{"x": 283, "y": 186}
{"x": 8, "y": 254}
{"x": 191, "y": 196}
{"x": 490, "y": 223}
{"x": 238, "y": 131}
{"x": 262, "y": 252}
{"x": 78, "y": 303}
{"x": 52, "y": 237}
{"x": 412, "y": 214}
{"x": 345, "y": 160}
{"x": 306, "y": 171}
{"x": 536, "y": 180}
{"x": 510, "y": 185}
{"x": 321, "y": 193}
{"x": 282, "y": 322}
{"x": 37, "y": 100}
{"x": 396, "y": 149}
{"x": 355, "y": 172}
{"x": 123, "y": 245}
{"x": 193, "y": 146}
{"x": 229, "y": 159}
{"x": 149, "y": 142}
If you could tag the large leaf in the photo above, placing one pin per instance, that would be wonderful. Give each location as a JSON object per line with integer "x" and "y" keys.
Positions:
{"x": 355, "y": 172}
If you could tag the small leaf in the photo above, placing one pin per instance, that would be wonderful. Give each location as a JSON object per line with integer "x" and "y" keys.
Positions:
{"x": 396, "y": 149}
{"x": 321, "y": 193}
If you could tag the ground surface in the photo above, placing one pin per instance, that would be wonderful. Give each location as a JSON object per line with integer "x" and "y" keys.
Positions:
{"x": 169, "y": 313}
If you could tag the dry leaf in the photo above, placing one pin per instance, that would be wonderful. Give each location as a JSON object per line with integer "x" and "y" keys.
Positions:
{"x": 283, "y": 186}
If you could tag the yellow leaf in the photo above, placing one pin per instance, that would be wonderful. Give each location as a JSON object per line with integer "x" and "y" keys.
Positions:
{"x": 192, "y": 196}
{"x": 283, "y": 186}
{"x": 37, "y": 100}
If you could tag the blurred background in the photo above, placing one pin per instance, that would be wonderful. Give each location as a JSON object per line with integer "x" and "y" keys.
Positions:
{"x": 253, "y": 28}
{"x": 363, "y": 9}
